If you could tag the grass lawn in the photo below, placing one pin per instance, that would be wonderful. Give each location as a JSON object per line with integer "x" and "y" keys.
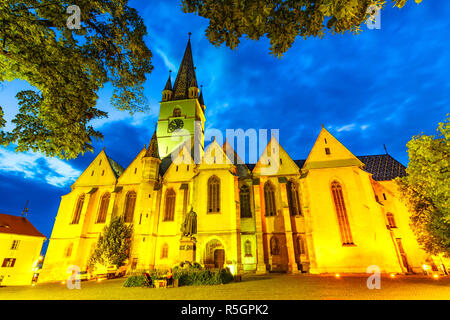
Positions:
{"x": 264, "y": 287}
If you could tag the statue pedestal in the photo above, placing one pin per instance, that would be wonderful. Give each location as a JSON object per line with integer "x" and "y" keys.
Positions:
{"x": 187, "y": 249}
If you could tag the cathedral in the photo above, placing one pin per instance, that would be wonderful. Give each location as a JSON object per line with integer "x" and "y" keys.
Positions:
{"x": 331, "y": 213}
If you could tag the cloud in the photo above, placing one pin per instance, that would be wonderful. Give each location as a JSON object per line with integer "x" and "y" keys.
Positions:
{"x": 35, "y": 166}
{"x": 170, "y": 65}
{"x": 347, "y": 127}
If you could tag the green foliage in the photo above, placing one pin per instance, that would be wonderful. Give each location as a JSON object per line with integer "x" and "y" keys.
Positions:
{"x": 193, "y": 276}
{"x": 280, "y": 20}
{"x": 113, "y": 245}
{"x": 67, "y": 67}
{"x": 136, "y": 281}
{"x": 426, "y": 189}
{"x": 158, "y": 274}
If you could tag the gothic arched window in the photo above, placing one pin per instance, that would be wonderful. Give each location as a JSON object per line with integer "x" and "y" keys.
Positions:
{"x": 78, "y": 208}
{"x": 130, "y": 203}
{"x": 244, "y": 197}
{"x": 103, "y": 211}
{"x": 248, "y": 248}
{"x": 274, "y": 248}
{"x": 164, "y": 251}
{"x": 391, "y": 220}
{"x": 170, "y": 205}
{"x": 341, "y": 211}
{"x": 293, "y": 198}
{"x": 213, "y": 195}
{"x": 269, "y": 199}
{"x": 177, "y": 112}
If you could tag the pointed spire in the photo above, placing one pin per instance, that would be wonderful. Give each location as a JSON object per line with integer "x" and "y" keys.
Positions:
{"x": 186, "y": 75}
{"x": 200, "y": 98}
{"x": 169, "y": 82}
{"x": 193, "y": 83}
{"x": 152, "y": 150}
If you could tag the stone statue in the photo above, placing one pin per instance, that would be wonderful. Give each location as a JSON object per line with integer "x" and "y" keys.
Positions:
{"x": 189, "y": 226}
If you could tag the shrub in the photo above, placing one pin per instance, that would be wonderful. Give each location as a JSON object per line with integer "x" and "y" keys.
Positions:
{"x": 136, "y": 281}
{"x": 195, "y": 276}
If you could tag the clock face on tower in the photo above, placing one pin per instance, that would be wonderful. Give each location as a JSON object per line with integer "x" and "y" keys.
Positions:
{"x": 175, "y": 124}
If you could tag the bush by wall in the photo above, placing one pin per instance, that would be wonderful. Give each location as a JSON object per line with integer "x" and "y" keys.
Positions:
{"x": 187, "y": 275}
{"x": 136, "y": 281}
{"x": 193, "y": 276}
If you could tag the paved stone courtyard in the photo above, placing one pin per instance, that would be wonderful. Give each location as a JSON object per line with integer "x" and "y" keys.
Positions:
{"x": 265, "y": 287}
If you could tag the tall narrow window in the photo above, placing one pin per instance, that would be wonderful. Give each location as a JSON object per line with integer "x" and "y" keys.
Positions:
{"x": 78, "y": 208}
{"x": 130, "y": 203}
{"x": 339, "y": 204}
{"x": 102, "y": 212}
{"x": 185, "y": 199}
{"x": 69, "y": 250}
{"x": 248, "y": 248}
{"x": 170, "y": 205}
{"x": 274, "y": 248}
{"x": 213, "y": 195}
{"x": 15, "y": 244}
{"x": 134, "y": 263}
{"x": 244, "y": 197}
{"x": 391, "y": 220}
{"x": 164, "y": 251}
{"x": 293, "y": 198}
{"x": 269, "y": 199}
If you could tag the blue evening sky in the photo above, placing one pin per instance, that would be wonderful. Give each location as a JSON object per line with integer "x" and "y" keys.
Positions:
{"x": 379, "y": 87}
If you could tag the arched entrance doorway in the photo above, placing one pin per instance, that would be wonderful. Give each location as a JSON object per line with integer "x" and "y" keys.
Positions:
{"x": 214, "y": 254}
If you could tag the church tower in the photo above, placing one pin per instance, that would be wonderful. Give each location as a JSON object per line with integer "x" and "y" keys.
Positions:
{"x": 182, "y": 110}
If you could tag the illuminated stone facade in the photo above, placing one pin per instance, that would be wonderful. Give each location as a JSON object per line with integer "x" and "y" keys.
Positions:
{"x": 333, "y": 212}
{"x": 20, "y": 248}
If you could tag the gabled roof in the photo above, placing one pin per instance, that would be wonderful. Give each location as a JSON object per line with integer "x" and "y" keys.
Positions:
{"x": 167, "y": 161}
{"x": 116, "y": 168}
{"x": 18, "y": 225}
{"x": 186, "y": 75}
{"x": 383, "y": 167}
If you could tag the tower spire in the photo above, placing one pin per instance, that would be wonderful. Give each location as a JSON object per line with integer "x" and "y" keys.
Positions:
{"x": 168, "y": 92}
{"x": 152, "y": 150}
{"x": 200, "y": 98}
{"x": 186, "y": 74}
{"x": 169, "y": 82}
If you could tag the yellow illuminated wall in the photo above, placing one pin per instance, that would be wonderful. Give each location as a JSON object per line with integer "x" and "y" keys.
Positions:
{"x": 307, "y": 241}
{"x": 26, "y": 255}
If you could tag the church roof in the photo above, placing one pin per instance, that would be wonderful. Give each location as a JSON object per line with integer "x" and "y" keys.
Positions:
{"x": 186, "y": 75}
{"x": 152, "y": 150}
{"x": 165, "y": 164}
{"x": 168, "y": 84}
{"x": 200, "y": 99}
{"x": 18, "y": 225}
{"x": 116, "y": 168}
{"x": 383, "y": 167}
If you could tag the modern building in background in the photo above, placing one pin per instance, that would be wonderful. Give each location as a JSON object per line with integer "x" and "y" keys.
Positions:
{"x": 333, "y": 212}
{"x": 20, "y": 249}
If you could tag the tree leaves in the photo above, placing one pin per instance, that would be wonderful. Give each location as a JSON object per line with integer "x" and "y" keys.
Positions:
{"x": 280, "y": 20}
{"x": 426, "y": 189}
{"x": 68, "y": 67}
{"x": 113, "y": 245}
